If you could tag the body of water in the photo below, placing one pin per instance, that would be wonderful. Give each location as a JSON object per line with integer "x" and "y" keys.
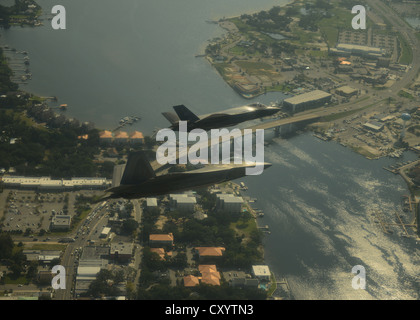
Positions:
{"x": 319, "y": 199}
{"x": 131, "y": 57}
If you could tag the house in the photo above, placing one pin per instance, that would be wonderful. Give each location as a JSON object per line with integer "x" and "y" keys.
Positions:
{"x": 121, "y": 137}
{"x": 209, "y": 253}
{"x": 191, "y": 281}
{"x": 209, "y": 274}
{"x": 136, "y": 138}
{"x": 158, "y": 240}
{"x": 161, "y": 252}
{"x": 105, "y": 137}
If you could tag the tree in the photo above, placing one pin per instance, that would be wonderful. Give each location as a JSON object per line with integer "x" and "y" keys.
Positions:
{"x": 129, "y": 226}
{"x": 6, "y": 246}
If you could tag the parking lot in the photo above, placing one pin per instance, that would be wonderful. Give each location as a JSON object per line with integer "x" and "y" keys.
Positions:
{"x": 25, "y": 209}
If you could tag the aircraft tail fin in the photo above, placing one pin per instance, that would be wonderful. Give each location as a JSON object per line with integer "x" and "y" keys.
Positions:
{"x": 171, "y": 117}
{"x": 137, "y": 169}
{"x": 185, "y": 114}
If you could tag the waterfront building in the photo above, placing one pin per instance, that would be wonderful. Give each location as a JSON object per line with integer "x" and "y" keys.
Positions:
{"x": 182, "y": 202}
{"x": 229, "y": 203}
{"x": 136, "y": 138}
{"x": 261, "y": 272}
{"x": 306, "y": 101}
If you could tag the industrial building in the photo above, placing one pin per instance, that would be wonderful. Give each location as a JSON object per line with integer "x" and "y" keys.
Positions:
{"x": 86, "y": 273}
{"x": 229, "y": 203}
{"x": 60, "y": 223}
{"x": 374, "y": 126}
{"x": 306, "y": 101}
{"x": 345, "y": 49}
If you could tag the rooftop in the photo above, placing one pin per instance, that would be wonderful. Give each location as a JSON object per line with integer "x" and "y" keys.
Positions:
{"x": 309, "y": 96}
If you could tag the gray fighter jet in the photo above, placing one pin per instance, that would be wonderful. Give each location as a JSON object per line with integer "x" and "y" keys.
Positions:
{"x": 139, "y": 180}
{"x": 221, "y": 119}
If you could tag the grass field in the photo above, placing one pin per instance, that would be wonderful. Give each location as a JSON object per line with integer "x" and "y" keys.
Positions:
{"x": 406, "y": 53}
{"x": 254, "y": 67}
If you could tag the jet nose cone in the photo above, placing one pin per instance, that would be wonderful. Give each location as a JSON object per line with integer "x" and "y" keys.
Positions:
{"x": 267, "y": 165}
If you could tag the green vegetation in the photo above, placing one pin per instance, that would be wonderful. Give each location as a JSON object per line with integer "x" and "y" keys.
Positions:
{"x": 47, "y": 246}
{"x": 405, "y": 94}
{"x": 105, "y": 284}
{"x": 12, "y": 255}
{"x": 406, "y": 55}
{"x": 19, "y": 14}
{"x": 273, "y": 285}
{"x": 201, "y": 292}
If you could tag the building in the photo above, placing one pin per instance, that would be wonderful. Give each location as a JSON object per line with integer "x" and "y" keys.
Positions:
{"x": 229, "y": 203}
{"x": 347, "y": 91}
{"x": 374, "y": 126}
{"x": 306, "y": 101}
{"x": 209, "y": 274}
{"x": 209, "y": 253}
{"x": 105, "y": 232}
{"x": 121, "y": 137}
{"x": 240, "y": 279}
{"x": 105, "y": 137}
{"x": 158, "y": 240}
{"x": 246, "y": 89}
{"x": 160, "y": 252}
{"x": 136, "y": 138}
{"x": 47, "y": 184}
{"x": 358, "y": 50}
{"x": 60, "y": 223}
{"x": 86, "y": 273}
{"x": 261, "y": 272}
{"x": 182, "y": 202}
{"x": 151, "y": 203}
{"x": 191, "y": 281}
{"x": 45, "y": 277}
{"x": 121, "y": 251}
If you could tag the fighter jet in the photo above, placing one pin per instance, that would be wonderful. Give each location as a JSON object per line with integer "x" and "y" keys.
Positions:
{"x": 139, "y": 179}
{"x": 221, "y": 119}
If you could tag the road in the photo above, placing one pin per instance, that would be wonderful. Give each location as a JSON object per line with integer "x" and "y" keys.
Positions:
{"x": 69, "y": 258}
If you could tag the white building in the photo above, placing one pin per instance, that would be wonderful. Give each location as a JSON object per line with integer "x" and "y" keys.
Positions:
{"x": 48, "y": 184}
{"x": 229, "y": 203}
{"x": 261, "y": 272}
{"x": 105, "y": 232}
{"x": 151, "y": 203}
{"x": 183, "y": 202}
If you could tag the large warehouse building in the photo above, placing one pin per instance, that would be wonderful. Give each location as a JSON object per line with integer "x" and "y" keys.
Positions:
{"x": 306, "y": 101}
